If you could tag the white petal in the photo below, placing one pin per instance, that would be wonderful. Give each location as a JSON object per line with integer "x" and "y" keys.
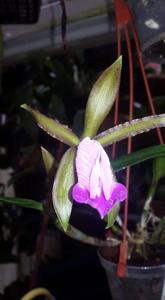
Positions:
{"x": 86, "y": 156}
{"x": 106, "y": 174}
{"x": 95, "y": 187}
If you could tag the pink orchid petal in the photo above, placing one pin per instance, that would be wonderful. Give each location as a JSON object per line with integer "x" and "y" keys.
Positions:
{"x": 119, "y": 192}
{"x": 80, "y": 194}
{"x": 106, "y": 174}
{"x": 87, "y": 154}
{"x": 96, "y": 183}
{"x": 95, "y": 187}
{"x": 103, "y": 206}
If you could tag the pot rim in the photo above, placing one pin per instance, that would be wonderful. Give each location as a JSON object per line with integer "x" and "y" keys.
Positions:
{"x": 134, "y": 271}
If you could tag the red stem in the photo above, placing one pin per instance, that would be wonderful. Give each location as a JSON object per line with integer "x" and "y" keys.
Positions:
{"x": 121, "y": 270}
{"x": 150, "y": 100}
{"x": 116, "y": 111}
{"x": 131, "y": 91}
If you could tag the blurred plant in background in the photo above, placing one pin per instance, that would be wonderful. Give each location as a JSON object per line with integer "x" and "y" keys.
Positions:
{"x": 39, "y": 83}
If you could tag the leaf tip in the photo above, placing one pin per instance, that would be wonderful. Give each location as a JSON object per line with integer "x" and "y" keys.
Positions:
{"x": 24, "y": 106}
{"x": 65, "y": 227}
{"x": 118, "y": 63}
{"x": 43, "y": 150}
{"x": 120, "y": 59}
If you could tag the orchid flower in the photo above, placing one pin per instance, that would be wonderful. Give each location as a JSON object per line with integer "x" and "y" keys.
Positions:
{"x": 96, "y": 185}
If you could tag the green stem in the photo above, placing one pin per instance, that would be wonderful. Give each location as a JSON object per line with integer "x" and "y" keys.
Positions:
{"x": 147, "y": 205}
{"x": 84, "y": 238}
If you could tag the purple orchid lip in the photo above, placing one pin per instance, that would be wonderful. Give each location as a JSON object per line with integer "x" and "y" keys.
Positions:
{"x": 96, "y": 183}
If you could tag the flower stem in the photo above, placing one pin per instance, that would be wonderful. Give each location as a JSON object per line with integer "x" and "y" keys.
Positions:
{"x": 147, "y": 205}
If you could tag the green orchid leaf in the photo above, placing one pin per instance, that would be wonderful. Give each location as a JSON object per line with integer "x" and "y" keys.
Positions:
{"x": 159, "y": 168}
{"x": 111, "y": 217}
{"x": 132, "y": 128}
{"x": 53, "y": 127}
{"x": 64, "y": 180}
{"x": 137, "y": 157}
{"x": 48, "y": 159}
{"x": 101, "y": 98}
{"x": 28, "y": 203}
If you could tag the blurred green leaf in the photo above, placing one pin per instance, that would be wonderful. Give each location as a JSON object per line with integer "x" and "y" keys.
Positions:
{"x": 137, "y": 157}
{"x": 28, "y": 203}
{"x": 159, "y": 168}
{"x": 132, "y": 128}
{"x": 158, "y": 235}
{"x": 101, "y": 98}
{"x": 158, "y": 172}
{"x": 53, "y": 128}
{"x": 111, "y": 217}
{"x": 64, "y": 180}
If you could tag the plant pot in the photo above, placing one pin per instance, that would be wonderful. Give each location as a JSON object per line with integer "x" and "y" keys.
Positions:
{"x": 8, "y": 274}
{"x": 140, "y": 283}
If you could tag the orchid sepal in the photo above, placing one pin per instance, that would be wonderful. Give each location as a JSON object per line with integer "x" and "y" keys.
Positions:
{"x": 53, "y": 127}
{"x": 135, "y": 127}
{"x": 48, "y": 160}
{"x": 63, "y": 183}
{"x": 101, "y": 98}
